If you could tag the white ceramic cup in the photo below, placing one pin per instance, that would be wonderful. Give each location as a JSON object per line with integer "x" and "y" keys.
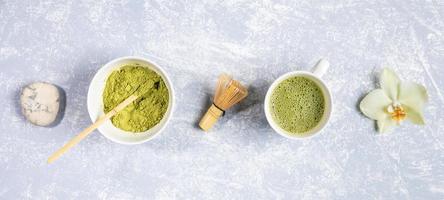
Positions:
{"x": 319, "y": 69}
{"x": 95, "y": 102}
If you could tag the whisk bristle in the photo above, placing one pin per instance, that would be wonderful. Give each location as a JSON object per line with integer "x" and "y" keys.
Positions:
{"x": 222, "y": 83}
{"x": 229, "y": 92}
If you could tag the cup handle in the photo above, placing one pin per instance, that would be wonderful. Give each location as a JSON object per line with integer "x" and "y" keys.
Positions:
{"x": 321, "y": 67}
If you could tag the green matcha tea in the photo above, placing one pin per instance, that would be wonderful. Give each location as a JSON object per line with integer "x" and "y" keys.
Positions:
{"x": 146, "y": 111}
{"x": 297, "y": 104}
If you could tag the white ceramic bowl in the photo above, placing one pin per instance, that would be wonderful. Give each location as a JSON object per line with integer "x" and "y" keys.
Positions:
{"x": 95, "y": 102}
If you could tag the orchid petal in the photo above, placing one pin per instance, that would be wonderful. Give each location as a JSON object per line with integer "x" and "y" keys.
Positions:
{"x": 413, "y": 95}
{"x": 414, "y": 116}
{"x": 385, "y": 123}
{"x": 374, "y": 104}
{"x": 390, "y": 83}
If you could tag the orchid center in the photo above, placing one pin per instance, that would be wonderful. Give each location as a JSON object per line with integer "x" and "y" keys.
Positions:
{"x": 397, "y": 112}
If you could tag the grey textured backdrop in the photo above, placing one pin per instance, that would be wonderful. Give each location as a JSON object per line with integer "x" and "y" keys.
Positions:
{"x": 66, "y": 42}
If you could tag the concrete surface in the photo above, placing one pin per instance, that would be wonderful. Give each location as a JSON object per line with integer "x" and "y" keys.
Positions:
{"x": 66, "y": 42}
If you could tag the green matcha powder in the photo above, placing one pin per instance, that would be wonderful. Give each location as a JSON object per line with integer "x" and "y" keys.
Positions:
{"x": 148, "y": 109}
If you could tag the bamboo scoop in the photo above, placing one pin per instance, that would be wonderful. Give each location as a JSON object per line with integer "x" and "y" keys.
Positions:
{"x": 228, "y": 93}
{"x": 91, "y": 128}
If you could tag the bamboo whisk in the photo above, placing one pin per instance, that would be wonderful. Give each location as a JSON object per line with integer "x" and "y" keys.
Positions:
{"x": 228, "y": 93}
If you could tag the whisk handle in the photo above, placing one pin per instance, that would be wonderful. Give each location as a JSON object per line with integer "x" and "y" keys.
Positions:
{"x": 209, "y": 119}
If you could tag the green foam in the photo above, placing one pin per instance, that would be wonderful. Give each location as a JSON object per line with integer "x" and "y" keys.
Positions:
{"x": 297, "y": 104}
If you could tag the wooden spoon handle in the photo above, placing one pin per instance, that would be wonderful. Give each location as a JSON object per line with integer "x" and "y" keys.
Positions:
{"x": 91, "y": 128}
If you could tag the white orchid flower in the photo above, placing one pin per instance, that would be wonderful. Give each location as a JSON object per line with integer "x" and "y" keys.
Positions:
{"x": 394, "y": 102}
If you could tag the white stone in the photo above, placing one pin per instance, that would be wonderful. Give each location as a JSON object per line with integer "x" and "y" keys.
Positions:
{"x": 40, "y": 103}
